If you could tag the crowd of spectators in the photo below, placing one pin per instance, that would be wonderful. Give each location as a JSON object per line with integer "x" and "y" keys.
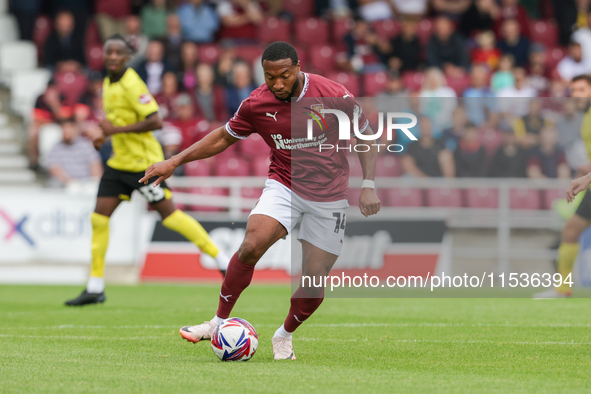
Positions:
{"x": 468, "y": 68}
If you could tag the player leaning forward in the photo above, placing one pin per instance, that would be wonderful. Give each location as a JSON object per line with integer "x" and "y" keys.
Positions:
{"x": 131, "y": 115}
{"x": 316, "y": 198}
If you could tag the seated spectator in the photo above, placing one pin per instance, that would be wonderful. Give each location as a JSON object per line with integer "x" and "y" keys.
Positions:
{"x": 503, "y": 78}
{"x": 583, "y": 37}
{"x": 511, "y": 9}
{"x": 168, "y": 94}
{"x": 512, "y": 42}
{"x": 239, "y": 19}
{"x": 63, "y": 48}
{"x": 364, "y": 48}
{"x": 241, "y": 87}
{"x": 74, "y": 158}
{"x": 451, "y": 136}
{"x": 136, "y": 39}
{"x": 479, "y": 100}
{"x": 538, "y": 70}
{"x": 486, "y": 52}
{"x": 527, "y": 128}
{"x": 437, "y": 100}
{"x": 427, "y": 157}
{"x": 187, "y": 122}
{"x": 199, "y": 21}
{"x": 223, "y": 69}
{"x": 50, "y": 107}
{"x": 515, "y": 100}
{"x": 394, "y": 88}
{"x": 173, "y": 41}
{"x": 569, "y": 136}
{"x": 479, "y": 16}
{"x": 209, "y": 98}
{"x": 409, "y": 9}
{"x": 154, "y": 67}
{"x": 171, "y": 139}
{"x": 454, "y": 9}
{"x": 405, "y": 48}
{"x": 447, "y": 49}
{"x": 153, "y": 16}
{"x": 573, "y": 64}
{"x": 470, "y": 156}
{"x": 374, "y": 10}
{"x": 510, "y": 160}
{"x": 188, "y": 62}
{"x": 547, "y": 160}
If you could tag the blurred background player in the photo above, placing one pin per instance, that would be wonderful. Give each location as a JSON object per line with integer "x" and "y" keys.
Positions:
{"x": 131, "y": 116}
{"x": 285, "y": 199}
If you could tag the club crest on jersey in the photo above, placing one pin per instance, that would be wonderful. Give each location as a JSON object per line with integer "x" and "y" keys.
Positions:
{"x": 145, "y": 98}
{"x": 315, "y": 113}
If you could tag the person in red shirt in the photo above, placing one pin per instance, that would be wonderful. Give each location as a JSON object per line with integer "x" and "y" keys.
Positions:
{"x": 312, "y": 188}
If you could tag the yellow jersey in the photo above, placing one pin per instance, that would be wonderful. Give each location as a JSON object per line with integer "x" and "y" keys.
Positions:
{"x": 586, "y": 131}
{"x": 126, "y": 102}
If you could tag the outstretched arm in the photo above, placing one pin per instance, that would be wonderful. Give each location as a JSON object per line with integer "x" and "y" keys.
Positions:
{"x": 152, "y": 122}
{"x": 577, "y": 185}
{"x": 369, "y": 203}
{"x": 215, "y": 142}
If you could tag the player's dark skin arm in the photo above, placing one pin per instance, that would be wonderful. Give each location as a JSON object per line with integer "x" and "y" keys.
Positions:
{"x": 152, "y": 122}
{"x": 369, "y": 203}
{"x": 215, "y": 142}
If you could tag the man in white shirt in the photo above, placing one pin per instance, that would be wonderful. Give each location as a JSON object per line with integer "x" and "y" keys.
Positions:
{"x": 515, "y": 100}
{"x": 573, "y": 64}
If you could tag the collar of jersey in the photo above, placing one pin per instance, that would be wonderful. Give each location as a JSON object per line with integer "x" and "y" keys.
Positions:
{"x": 120, "y": 78}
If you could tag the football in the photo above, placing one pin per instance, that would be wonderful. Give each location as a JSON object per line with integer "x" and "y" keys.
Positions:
{"x": 234, "y": 340}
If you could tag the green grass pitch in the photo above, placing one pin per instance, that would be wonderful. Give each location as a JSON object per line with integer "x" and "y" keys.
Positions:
{"x": 131, "y": 344}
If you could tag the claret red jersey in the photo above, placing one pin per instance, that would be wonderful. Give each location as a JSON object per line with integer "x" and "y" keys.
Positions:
{"x": 315, "y": 174}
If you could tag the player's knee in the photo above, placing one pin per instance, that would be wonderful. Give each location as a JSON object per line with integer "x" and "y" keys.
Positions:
{"x": 250, "y": 252}
{"x": 572, "y": 231}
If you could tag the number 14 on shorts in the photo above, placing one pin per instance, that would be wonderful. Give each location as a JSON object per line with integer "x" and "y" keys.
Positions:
{"x": 340, "y": 225}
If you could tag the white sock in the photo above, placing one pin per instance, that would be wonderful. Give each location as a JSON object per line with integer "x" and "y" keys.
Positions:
{"x": 217, "y": 320}
{"x": 222, "y": 260}
{"x": 281, "y": 332}
{"x": 95, "y": 285}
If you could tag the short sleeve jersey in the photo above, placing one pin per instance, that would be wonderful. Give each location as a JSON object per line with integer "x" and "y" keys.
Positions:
{"x": 314, "y": 174}
{"x": 128, "y": 101}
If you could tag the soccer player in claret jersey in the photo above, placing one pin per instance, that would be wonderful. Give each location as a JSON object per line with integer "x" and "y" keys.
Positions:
{"x": 268, "y": 112}
{"x": 131, "y": 115}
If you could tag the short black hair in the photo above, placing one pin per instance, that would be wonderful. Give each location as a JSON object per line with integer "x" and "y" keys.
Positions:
{"x": 583, "y": 77}
{"x": 280, "y": 50}
{"x": 118, "y": 36}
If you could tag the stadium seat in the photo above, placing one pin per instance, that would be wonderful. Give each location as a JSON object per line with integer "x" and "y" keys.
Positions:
{"x": 41, "y": 31}
{"x": 425, "y": 30}
{"x": 50, "y": 134}
{"x": 373, "y": 83}
{"x": 198, "y": 168}
{"x": 249, "y": 53}
{"x": 413, "y": 80}
{"x": 8, "y": 28}
{"x": 482, "y": 198}
{"x": 555, "y": 55}
{"x": 16, "y": 56}
{"x": 209, "y": 53}
{"x": 322, "y": 58}
{"x": 340, "y": 28}
{"x": 299, "y": 8}
{"x": 208, "y": 191}
{"x": 94, "y": 56}
{"x": 254, "y": 146}
{"x": 311, "y": 31}
{"x": 545, "y": 32}
{"x": 231, "y": 166}
{"x": 273, "y": 29}
{"x": 458, "y": 84}
{"x": 444, "y": 197}
{"x": 404, "y": 197}
{"x": 302, "y": 56}
{"x": 72, "y": 85}
{"x": 386, "y": 28}
{"x": 551, "y": 195}
{"x": 355, "y": 169}
{"x": 349, "y": 80}
{"x": 492, "y": 140}
{"x": 260, "y": 166}
{"x": 525, "y": 199}
{"x": 388, "y": 165}
{"x": 25, "y": 87}
{"x": 114, "y": 8}
{"x": 93, "y": 34}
